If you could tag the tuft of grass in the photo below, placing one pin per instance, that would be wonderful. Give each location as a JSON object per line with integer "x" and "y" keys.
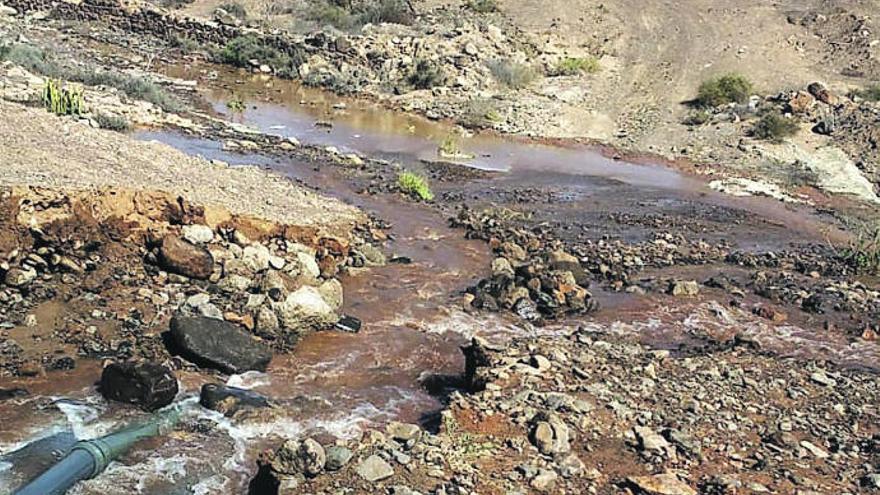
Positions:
{"x": 512, "y": 74}
{"x": 449, "y": 146}
{"x": 863, "y": 251}
{"x": 234, "y": 9}
{"x": 184, "y": 44}
{"x": 574, "y": 66}
{"x": 236, "y": 104}
{"x": 426, "y": 75}
{"x": 415, "y": 185}
{"x": 62, "y": 100}
{"x": 775, "y": 127}
{"x": 112, "y": 122}
{"x": 241, "y": 50}
{"x": 483, "y": 6}
{"x": 729, "y": 88}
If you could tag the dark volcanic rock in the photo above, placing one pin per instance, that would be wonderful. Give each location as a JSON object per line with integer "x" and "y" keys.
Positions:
{"x": 147, "y": 385}
{"x": 229, "y": 400}
{"x": 179, "y": 256}
{"x": 477, "y": 362}
{"x": 217, "y": 344}
{"x": 11, "y": 393}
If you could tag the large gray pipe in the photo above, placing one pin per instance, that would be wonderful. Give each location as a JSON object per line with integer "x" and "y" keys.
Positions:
{"x": 89, "y": 457}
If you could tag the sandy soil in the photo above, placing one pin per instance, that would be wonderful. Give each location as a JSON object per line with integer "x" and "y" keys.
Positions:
{"x": 43, "y": 150}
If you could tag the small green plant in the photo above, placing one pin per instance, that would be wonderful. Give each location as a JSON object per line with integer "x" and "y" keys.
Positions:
{"x": 863, "y": 251}
{"x": 414, "y": 185}
{"x": 112, "y": 122}
{"x": 426, "y": 75}
{"x": 241, "y": 50}
{"x": 449, "y": 146}
{"x": 576, "y": 66}
{"x": 483, "y": 6}
{"x": 775, "y": 127}
{"x": 512, "y": 74}
{"x": 236, "y": 104}
{"x": 871, "y": 93}
{"x": 729, "y": 88}
{"x": 62, "y": 100}
{"x": 697, "y": 118}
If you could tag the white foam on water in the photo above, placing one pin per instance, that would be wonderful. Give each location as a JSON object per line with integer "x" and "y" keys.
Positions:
{"x": 139, "y": 477}
{"x": 4, "y": 478}
{"x": 82, "y": 416}
{"x": 249, "y": 380}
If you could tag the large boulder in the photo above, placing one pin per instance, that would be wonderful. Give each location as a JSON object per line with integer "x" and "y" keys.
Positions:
{"x": 217, "y": 344}
{"x": 184, "y": 258}
{"x": 294, "y": 457}
{"x": 305, "y": 310}
{"x": 550, "y": 434}
{"x": 147, "y": 385}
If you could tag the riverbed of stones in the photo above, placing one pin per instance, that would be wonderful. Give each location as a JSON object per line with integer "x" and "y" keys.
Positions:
{"x": 586, "y": 412}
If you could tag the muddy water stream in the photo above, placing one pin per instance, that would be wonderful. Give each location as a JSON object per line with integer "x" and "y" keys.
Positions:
{"x": 335, "y": 384}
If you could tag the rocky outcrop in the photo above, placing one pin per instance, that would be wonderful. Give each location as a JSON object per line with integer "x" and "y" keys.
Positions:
{"x": 217, "y": 344}
{"x": 149, "y": 386}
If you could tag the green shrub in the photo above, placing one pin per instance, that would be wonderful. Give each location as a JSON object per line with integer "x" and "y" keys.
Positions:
{"x": 414, "y": 185}
{"x": 697, "y": 118}
{"x": 241, "y": 50}
{"x": 133, "y": 86}
{"x": 426, "y": 75}
{"x": 576, "y": 66}
{"x": 775, "y": 127}
{"x": 512, "y": 74}
{"x": 343, "y": 15}
{"x": 871, "y": 93}
{"x": 62, "y": 100}
{"x": 480, "y": 113}
{"x": 234, "y": 9}
{"x": 30, "y": 57}
{"x": 112, "y": 122}
{"x": 483, "y": 6}
{"x": 332, "y": 15}
{"x": 729, "y": 88}
{"x": 387, "y": 11}
{"x": 863, "y": 251}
